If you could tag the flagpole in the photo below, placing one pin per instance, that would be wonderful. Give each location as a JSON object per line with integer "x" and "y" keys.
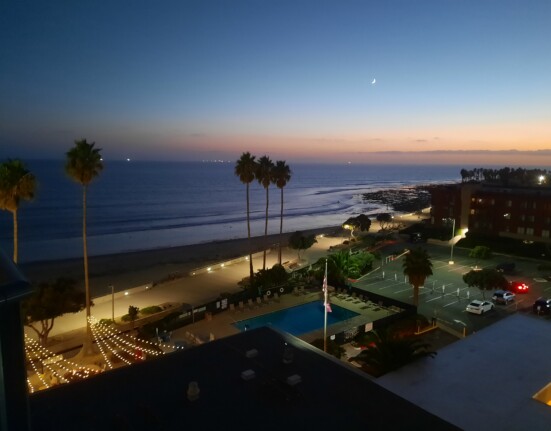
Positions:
{"x": 325, "y": 289}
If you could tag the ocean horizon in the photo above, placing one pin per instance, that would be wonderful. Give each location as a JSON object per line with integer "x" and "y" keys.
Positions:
{"x": 135, "y": 205}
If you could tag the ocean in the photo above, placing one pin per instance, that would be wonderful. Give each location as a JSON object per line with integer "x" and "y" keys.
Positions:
{"x": 146, "y": 205}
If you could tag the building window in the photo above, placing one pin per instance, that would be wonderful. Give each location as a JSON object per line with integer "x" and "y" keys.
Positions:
{"x": 545, "y": 233}
{"x": 529, "y": 231}
{"x": 509, "y": 203}
{"x": 473, "y": 212}
{"x": 520, "y": 230}
{"x": 507, "y": 216}
{"x": 531, "y": 219}
{"x": 476, "y": 225}
{"x": 522, "y": 217}
{"x": 493, "y": 202}
{"x": 507, "y": 228}
{"x": 524, "y": 204}
{"x": 534, "y": 205}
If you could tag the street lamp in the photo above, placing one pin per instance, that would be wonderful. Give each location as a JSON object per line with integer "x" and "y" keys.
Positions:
{"x": 112, "y": 303}
{"x": 453, "y": 236}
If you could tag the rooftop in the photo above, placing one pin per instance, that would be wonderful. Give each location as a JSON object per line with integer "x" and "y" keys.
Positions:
{"x": 487, "y": 380}
{"x": 243, "y": 380}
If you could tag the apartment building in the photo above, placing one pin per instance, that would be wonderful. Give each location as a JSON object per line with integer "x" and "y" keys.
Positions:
{"x": 514, "y": 212}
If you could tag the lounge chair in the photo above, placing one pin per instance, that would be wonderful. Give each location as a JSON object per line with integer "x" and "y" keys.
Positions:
{"x": 276, "y": 297}
{"x": 241, "y": 306}
{"x": 259, "y": 301}
{"x": 251, "y": 304}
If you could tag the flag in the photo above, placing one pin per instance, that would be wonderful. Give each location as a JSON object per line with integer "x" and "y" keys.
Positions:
{"x": 325, "y": 279}
{"x": 325, "y": 291}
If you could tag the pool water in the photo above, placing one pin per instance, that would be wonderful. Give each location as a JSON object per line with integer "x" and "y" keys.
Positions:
{"x": 298, "y": 320}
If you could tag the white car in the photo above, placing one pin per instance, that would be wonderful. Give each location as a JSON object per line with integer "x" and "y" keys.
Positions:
{"x": 479, "y": 307}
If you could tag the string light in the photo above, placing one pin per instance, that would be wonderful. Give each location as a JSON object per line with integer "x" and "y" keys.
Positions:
{"x": 107, "y": 339}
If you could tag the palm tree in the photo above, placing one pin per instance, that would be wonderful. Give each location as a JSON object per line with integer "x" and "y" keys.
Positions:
{"x": 417, "y": 266}
{"x": 265, "y": 176}
{"x": 282, "y": 175}
{"x": 386, "y": 352}
{"x": 16, "y": 183}
{"x": 245, "y": 169}
{"x": 83, "y": 164}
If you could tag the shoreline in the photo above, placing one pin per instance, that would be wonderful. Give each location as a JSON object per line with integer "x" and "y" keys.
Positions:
{"x": 135, "y": 268}
{"x": 130, "y": 269}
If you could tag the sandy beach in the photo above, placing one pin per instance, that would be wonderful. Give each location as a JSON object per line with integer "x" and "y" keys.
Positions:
{"x": 127, "y": 270}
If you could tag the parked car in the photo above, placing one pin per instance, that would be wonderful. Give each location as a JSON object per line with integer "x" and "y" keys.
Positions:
{"x": 519, "y": 287}
{"x": 542, "y": 306}
{"x": 479, "y": 307}
{"x": 506, "y": 267}
{"x": 503, "y": 297}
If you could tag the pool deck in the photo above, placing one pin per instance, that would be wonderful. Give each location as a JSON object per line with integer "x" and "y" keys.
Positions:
{"x": 221, "y": 324}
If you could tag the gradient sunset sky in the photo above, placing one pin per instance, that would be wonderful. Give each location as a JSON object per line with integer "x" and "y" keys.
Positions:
{"x": 412, "y": 81}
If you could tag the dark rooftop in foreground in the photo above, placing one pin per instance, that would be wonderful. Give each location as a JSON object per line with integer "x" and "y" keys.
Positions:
{"x": 328, "y": 394}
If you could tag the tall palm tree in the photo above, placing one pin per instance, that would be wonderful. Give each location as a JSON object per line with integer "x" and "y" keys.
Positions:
{"x": 265, "y": 176}
{"x": 16, "y": 183}
{"x": 83, "y": 165}
{"x": 245, "y": 169}
{"x": 417, "y": 266}
{"x": 282, "y": 175}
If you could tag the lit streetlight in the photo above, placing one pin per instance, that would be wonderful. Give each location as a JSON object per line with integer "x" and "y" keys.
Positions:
{"x": 453, "y": 236}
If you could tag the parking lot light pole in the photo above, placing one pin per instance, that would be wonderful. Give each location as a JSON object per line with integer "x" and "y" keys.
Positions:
{"x": 453, "y": 236}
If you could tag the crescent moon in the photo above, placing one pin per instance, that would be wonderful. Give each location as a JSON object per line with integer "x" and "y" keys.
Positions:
{"x": 374, "y": 81}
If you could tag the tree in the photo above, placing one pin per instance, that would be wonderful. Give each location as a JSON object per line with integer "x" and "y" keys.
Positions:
{"x": 360, "y": 222}
{"x": 299, "y": 241}
{"x": 16, "y": 183}
{"x": 386, "y": 352}
{"x": 265, "y": 176}
{"x": 83, "y": 164}
{"x": 266, "y": 279}
{"x": 417, "y": 266}
{"x": 343, "y": 265}
{"x": 282, "y": 175}
{"x": 48, "y": 301}
{"x": 245, "y": 169}
{"x": 385, "y": 220}
{"x": 485, "y": 279}
{"x": 480, "y": 252}
{"x": 351, "y": 224}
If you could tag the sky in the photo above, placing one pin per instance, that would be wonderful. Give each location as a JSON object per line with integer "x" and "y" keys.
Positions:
{"x": 372, "y": 81}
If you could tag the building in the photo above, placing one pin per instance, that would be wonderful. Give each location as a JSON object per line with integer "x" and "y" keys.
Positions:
{"x": 496, "y": 379}
{"x": 522, "y": 213}
{"x": 258, "y": 379}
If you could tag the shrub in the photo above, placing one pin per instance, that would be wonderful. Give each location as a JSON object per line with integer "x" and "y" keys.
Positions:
{"x": 150, "y": 310}
{"x": 105, "y": 322}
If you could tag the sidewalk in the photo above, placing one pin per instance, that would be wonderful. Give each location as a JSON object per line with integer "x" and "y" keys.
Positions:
{"x": 191, "y": 290}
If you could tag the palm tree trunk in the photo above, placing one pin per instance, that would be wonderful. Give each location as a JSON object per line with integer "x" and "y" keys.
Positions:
{"x": 280, "y": 227}
{"x": 87, "y": 347}
{"x": 266, "y": 229}
{"x": 15, "y": 233}
{"x": 416, "y": 295}
{"x": 249, "y": 238}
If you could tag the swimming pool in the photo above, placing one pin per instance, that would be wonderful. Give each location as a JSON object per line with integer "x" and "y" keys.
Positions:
{"x": 298, "y": 320}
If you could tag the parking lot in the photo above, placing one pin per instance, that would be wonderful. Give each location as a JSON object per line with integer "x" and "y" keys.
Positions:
{"x": 445, "y": 295}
